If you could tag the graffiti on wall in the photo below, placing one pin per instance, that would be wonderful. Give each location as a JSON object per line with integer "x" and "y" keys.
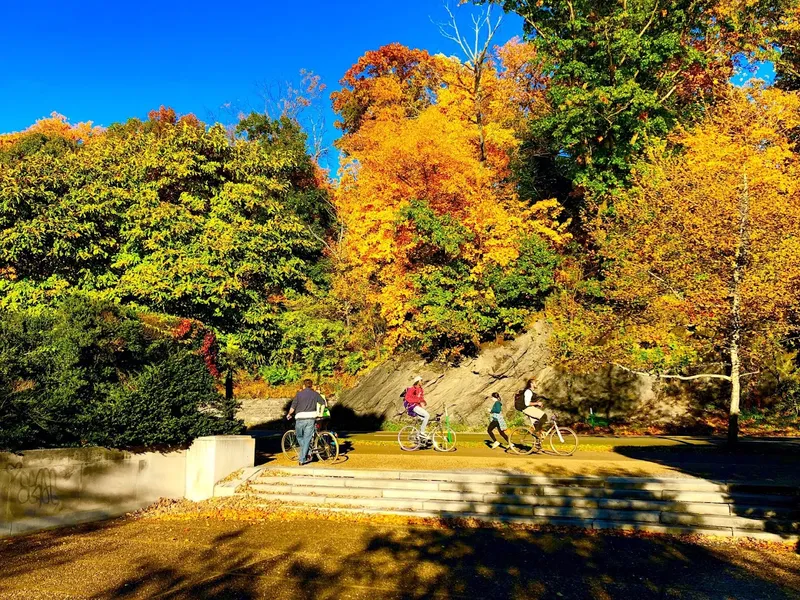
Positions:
{"x": 37, "y": 487}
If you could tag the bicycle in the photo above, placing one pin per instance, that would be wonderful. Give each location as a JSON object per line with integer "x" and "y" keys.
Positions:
{"x": 324, "y": 445}
{"x": 441, "y": 435}
{"x": 563, "y": 440}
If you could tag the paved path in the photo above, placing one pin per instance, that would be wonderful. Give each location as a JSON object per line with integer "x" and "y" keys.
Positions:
{"x": 313, "y": 559}
{"x": 775, "y": 462}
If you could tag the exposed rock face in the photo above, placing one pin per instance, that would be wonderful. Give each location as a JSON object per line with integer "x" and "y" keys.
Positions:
{"x": 504, "y": 368}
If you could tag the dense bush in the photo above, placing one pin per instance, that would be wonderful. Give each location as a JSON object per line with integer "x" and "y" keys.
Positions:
{"x": 91, "y": 372}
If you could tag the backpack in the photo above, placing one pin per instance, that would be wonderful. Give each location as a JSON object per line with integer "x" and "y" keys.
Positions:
{"x": 519, "y": 400}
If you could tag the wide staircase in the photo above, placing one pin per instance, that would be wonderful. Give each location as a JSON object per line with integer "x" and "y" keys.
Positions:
{"x": 666, "y": 505}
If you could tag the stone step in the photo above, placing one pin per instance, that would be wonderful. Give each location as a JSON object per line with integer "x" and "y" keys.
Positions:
{"x": 564, "y": 501}
{"x": 656, "y": 484}
{"x": 740, "y": 523}
{"x": 584, "y": 523}
{"x": 461, "y": 506}
{"x": 770, "y": 506}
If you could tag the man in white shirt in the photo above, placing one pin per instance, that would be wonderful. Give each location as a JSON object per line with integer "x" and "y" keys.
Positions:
{"x": 532, "y": 409}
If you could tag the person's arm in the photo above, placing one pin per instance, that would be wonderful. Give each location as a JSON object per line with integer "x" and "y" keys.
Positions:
{"x": 528, "y": 396}
{"x": 291, "y": 408}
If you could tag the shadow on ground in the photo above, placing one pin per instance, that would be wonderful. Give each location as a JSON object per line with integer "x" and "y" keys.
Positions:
{"x": 311, "y": 559}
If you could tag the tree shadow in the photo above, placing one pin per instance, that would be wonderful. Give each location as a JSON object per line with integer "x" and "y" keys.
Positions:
{"x": 347, "y": 560}
{"x": 755, "y": 473}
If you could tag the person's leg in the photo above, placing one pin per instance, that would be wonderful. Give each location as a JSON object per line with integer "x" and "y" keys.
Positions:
{"x": 305, "y": 431}
{"x": 504, "y": 435}
{"x": 534, "y": 413}
{"x": 425, "y": 416}
{"x": 490, "y": 430}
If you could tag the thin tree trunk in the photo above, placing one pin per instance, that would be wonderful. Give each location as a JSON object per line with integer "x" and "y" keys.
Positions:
{"x": 733, "y": 416}
{"x": 736, "y": 333}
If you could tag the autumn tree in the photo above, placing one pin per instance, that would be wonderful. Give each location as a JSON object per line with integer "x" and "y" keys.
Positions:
{"x": 700, "y": 256}
{"x": 624, "y": 73}
{"x": 437, "y": 244}
{"x": 392, "y": 78}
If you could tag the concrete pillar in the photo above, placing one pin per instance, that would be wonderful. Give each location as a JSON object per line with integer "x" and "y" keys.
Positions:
{"x": 213, "y": 458}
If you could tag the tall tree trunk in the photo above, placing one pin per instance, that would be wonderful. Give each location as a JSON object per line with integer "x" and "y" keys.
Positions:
{"x": 736, "y": 297}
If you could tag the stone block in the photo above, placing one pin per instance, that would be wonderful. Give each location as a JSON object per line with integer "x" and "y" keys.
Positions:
{"x": 160, "y": 476}
{"x": 431, "y": 495}
{"x": 392, "y": 484}
{"x": 213, "y": 458}
{"x": 480, "y": 488}
{"x": 390, "y": 503}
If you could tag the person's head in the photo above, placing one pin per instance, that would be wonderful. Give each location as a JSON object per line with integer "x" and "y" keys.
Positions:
{"x": 418, "y": 381}
{"x": 495, "y": 396}
{"x": 308, "y": 384}
{"x": 529, "y": 383}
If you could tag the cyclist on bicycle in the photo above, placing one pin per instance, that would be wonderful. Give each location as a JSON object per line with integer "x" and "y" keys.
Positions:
{"x": 414, "y": 403}
{"x": 533, "y": 407}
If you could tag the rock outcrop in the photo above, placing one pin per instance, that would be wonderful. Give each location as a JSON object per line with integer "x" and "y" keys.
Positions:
{"x": 504, "y": 368}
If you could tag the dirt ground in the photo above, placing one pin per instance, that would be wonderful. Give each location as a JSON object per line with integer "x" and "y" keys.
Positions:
{"x": 217, "y": 553}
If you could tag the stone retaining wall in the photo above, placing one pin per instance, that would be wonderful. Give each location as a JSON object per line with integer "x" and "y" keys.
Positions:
{"x": 257, "y": 411}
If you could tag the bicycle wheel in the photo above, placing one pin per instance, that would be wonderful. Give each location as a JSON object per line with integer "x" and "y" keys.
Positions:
{"x": 524, "y": 440}
{"x": 327, "y": 447}
{"x": 568, "y": 442}
{"x": 444, "y": 439}
{"x": 290, "y": 445}
{"x": 408, "y": 438}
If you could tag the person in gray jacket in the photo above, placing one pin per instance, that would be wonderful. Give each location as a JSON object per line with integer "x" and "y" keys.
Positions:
{"x": 304, "y": 410}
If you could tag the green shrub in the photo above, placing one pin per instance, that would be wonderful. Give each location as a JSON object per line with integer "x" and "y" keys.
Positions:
{"x": 91, "y": 372}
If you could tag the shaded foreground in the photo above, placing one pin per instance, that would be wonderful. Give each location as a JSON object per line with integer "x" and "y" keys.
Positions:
{"x": 308, "y": 557}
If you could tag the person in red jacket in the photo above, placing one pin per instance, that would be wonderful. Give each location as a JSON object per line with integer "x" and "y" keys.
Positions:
{"x": 415, "y": 403}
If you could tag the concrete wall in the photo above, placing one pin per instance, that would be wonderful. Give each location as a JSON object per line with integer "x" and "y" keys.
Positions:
{"x": 51, "y": 488}
{"x": 257, "y": 411}
{"x": 212, "y": 458}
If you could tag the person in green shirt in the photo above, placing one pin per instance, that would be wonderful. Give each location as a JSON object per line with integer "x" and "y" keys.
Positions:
{"x": 497, "y": 421}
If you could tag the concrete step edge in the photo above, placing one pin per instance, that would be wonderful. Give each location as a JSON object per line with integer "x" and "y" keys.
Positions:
{"x": 656, "y": 517}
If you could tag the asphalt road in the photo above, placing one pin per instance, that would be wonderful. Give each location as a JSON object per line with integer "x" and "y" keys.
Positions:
{"x": 314, "y": 559}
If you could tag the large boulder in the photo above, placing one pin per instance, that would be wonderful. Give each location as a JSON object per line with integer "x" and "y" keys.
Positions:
{"x": 504, "y": 368}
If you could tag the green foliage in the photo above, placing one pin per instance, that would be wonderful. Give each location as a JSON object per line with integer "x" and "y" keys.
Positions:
{"x": 624, "y": 73}
{"x": 169, "y": 403}
{"x": 91, "y": 372}
{"x": 168, "y": 215}
{"x": 454, "y": 309}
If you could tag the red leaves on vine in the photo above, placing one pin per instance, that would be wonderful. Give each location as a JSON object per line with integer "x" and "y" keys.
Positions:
{"x": 208, "y": 350}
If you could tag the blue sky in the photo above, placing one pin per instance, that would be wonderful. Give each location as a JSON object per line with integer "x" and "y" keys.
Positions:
{"x": 108, "y": 61}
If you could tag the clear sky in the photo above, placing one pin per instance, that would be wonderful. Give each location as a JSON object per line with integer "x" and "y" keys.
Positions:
{"x": 106, "y": 61}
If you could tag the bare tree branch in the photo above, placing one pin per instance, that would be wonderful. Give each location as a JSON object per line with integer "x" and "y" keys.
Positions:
{"x": 681, "y": 377}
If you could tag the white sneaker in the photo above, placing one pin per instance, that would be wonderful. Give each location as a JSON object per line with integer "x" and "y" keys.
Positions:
{"x": 495, "y": 445}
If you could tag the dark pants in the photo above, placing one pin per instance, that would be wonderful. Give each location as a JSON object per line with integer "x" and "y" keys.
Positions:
{"x": 304, "y": 428}
{"x": 495, "y": 425}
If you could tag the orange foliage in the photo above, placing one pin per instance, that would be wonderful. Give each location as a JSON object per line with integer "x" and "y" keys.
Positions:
{"x": 55, "y": 125}
{"x": 434, "y": 157}
{"x": 392, "y": 77}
